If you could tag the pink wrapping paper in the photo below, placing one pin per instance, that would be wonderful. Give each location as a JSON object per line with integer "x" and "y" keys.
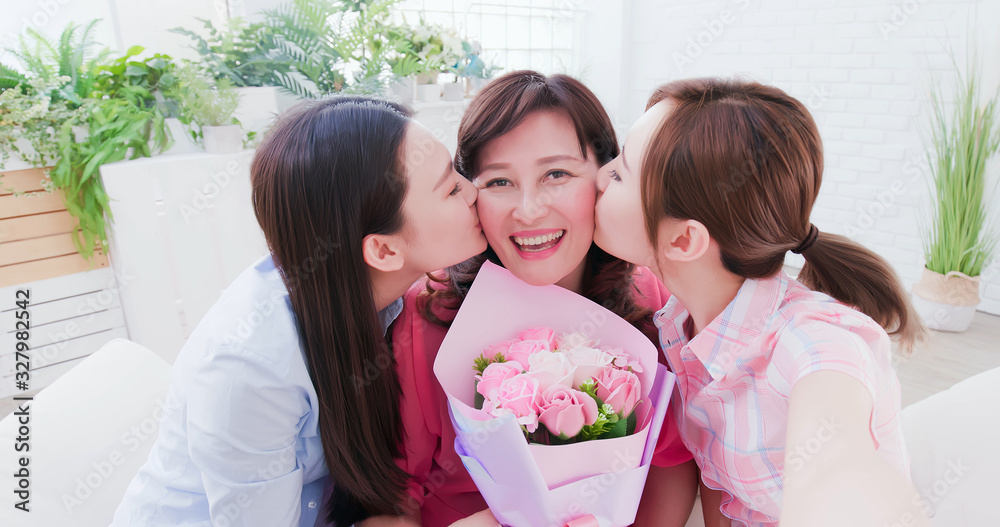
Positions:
{"x": 539, "y": 485}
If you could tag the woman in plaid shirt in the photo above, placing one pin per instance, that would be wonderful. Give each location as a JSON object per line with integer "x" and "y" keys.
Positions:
{"x": 788, "y": 400}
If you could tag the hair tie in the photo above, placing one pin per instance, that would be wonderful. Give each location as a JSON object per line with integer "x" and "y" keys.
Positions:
{"x": 809, "y": 241}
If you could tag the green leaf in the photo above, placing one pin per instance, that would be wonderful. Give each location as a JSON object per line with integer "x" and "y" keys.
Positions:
{"x": 135, "y": 71}
{"x": 618, "y": 429}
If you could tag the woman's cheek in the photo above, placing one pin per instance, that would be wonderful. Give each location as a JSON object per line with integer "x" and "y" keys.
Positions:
{"x": 490, "y": 216}
{"x": 582, "y": 201}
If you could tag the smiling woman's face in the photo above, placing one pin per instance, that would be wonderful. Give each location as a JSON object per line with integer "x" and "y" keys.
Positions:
{"x": 536, "y": 202}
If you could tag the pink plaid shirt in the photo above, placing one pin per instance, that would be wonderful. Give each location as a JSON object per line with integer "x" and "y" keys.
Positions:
{"x": 735, "y": 379}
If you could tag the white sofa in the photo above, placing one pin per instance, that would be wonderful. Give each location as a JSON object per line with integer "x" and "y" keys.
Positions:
{"x": 89, "y": 432}
{"x": 954, "y": 443}
{"x": 92, "y": 429}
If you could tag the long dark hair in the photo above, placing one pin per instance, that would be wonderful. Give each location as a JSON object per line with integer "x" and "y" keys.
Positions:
{"x": 326, "y": 175}
{"x": 746, "y": 160}
{"x": 499, "y": 108}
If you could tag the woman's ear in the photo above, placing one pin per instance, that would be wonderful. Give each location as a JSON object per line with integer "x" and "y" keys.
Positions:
{"x": 383, "y": 252}
{"x": 682, "y": 240}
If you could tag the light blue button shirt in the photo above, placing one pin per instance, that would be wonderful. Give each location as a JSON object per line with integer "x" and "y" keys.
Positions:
{"x": 238, "y": 443}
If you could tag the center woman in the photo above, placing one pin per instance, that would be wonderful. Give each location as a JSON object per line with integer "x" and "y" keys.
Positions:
{"x": 533, "y": 145}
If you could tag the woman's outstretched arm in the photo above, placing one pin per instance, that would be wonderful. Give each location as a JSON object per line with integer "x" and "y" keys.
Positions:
{"x": 843, "y": 481}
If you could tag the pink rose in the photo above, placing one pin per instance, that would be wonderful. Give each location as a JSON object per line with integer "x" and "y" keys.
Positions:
{"x": 502, "y": 348}
{"x": 620, "y": 389}
{"x": 520, "y": 351}
{"x": 546, "y": 334}
{"x": 564, "y": 410}
{"x": 624, "y": 361}
{"x": 520, "y": 396}
{"x": 494, "y": 375}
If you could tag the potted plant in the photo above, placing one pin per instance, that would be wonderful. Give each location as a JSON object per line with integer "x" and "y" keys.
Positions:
{"x": 404, "y": 62}
{"x": 210, "y": 107}
{"x": 249, "y": 55}
{"x": 100, "y": 111}
{"x": 333, "y": 46}
{"x": 959, "y": 241}
{"x": 439, "y": 49}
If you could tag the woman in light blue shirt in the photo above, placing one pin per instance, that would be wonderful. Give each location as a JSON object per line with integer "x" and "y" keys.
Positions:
{"x": 289, "y": 376}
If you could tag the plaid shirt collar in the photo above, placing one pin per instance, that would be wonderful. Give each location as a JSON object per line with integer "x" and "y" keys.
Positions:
{"x": 729, "y": 335}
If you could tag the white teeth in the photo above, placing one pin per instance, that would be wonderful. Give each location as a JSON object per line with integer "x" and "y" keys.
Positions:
{"x": 538, "y": 240}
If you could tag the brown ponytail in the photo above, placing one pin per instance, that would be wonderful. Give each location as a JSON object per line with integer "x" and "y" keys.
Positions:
{"x": 746, "y": 160}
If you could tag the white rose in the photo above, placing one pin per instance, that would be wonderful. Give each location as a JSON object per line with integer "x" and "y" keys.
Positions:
{"x": 587, "y": 356}
{"x": 589, "y": 362}
{"x": 551, "y": 368}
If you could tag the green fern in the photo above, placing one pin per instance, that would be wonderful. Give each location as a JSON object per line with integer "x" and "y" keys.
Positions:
{"x": 10, "y": 78}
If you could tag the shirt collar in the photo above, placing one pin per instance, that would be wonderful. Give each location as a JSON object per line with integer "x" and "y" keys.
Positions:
{"x": 727, "y": 337}
{"x": 389, "y": 313}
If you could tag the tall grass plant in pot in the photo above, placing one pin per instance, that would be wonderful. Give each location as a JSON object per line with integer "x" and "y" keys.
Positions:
{"x": 959, "y": 240}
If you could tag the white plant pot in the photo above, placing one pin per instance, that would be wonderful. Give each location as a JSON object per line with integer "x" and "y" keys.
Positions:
{"x": 183, "y": 144}
{"x": 402, "y": 90}
{"x": 223, "y": 139}
{"x": 946, "y": 302}
{"x": 430, "y": 77}
{"x": 429, "y": 92}
{"x": 454, "y": 91}
{"x": 943, "y": 317}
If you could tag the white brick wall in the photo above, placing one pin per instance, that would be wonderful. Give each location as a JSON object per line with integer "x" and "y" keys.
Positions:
{"x": 863, "y": 67}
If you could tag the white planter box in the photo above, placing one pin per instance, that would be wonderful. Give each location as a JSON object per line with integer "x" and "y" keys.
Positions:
{"x": 184, "y": 230}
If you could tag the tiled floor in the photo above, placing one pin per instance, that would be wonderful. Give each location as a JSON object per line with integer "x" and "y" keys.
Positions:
{"x": 945, "y": 359}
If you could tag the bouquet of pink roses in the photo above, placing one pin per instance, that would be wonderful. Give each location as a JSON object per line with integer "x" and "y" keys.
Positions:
{"x": 560, "y": 390}
{"x": 591, "y": 412}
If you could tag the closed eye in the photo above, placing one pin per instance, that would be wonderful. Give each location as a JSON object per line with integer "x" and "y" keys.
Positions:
{"x": 456, "y": 190}
{"x": 615, "y": 176}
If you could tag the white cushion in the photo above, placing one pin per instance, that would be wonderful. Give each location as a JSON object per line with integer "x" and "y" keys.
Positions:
{"x": 954, "y": 442}
{"x": 90, "y": 431}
